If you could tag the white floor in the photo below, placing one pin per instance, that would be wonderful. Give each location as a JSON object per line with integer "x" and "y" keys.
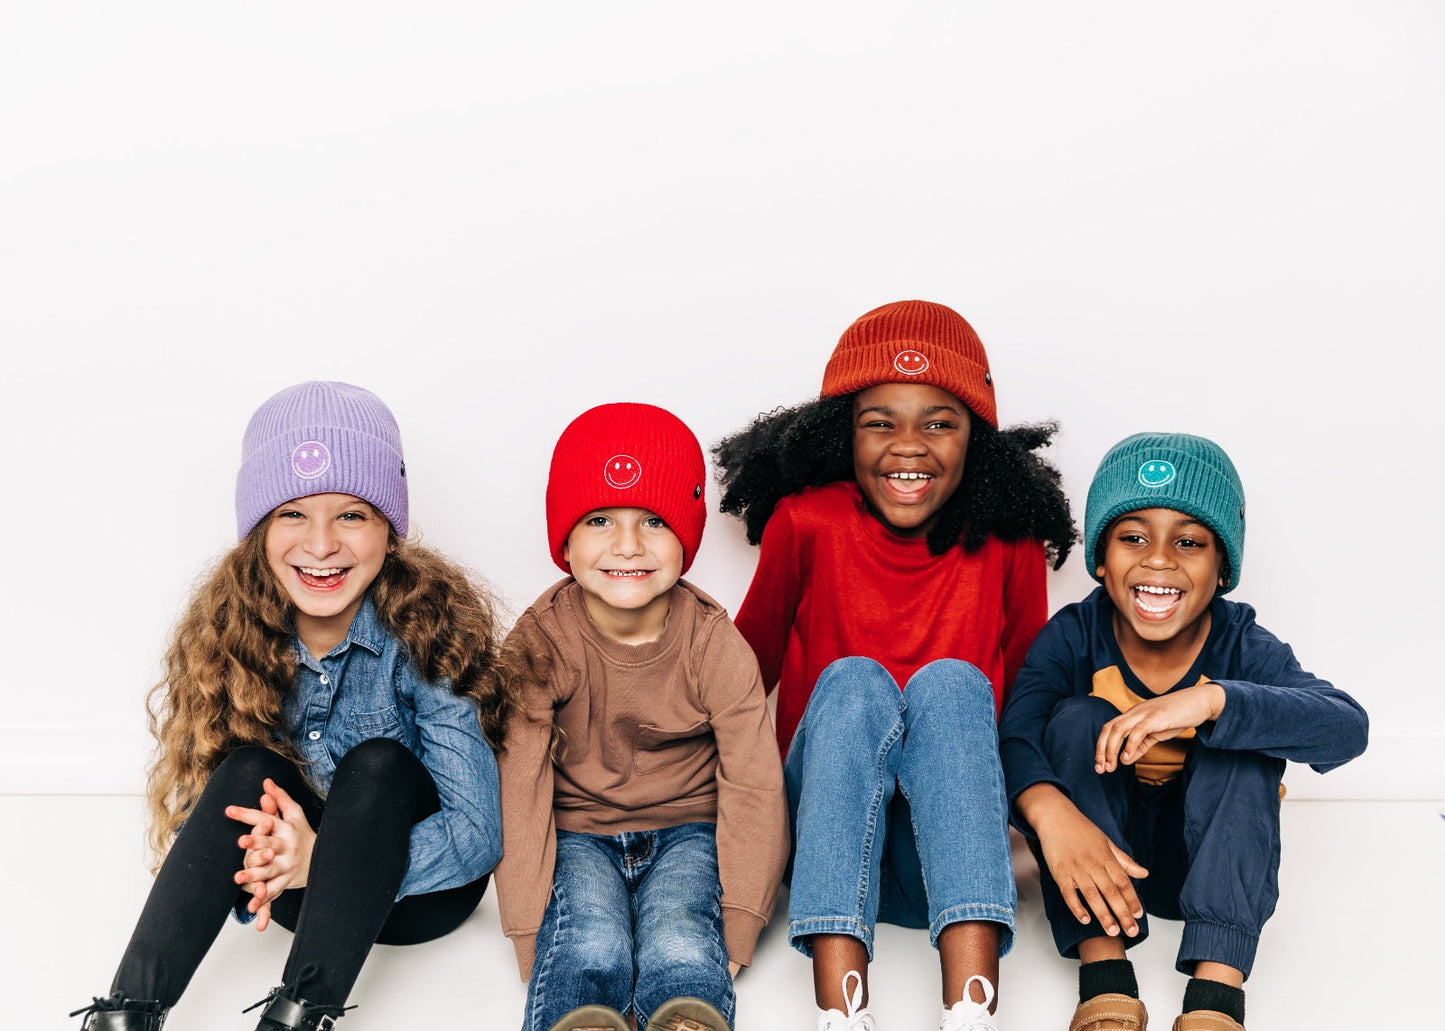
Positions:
{"x": 1355, "y": 942}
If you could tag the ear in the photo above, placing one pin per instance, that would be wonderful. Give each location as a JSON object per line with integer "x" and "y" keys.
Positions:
{"x": 1099, "y": 572}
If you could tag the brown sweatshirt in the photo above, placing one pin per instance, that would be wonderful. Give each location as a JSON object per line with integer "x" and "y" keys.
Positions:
{"x": 655, "y": 735}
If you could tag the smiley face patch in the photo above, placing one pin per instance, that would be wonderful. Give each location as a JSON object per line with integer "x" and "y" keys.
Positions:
{"x": 911, "y": 363}
{"x": 1156, "y": 472}
{"x": 310, "y": 459}
{"x": 622, "y": 471}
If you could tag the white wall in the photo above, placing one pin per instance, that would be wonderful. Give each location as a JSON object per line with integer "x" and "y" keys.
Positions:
{"x": 1223, "y": 220}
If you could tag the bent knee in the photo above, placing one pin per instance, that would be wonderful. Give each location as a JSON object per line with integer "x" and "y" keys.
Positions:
{"x": 377, "y": 758}
{"x": 953, "y": 683}
{"x": 1075, "y": 724}
{"x": 240, "y": 774}
{"x": 855, "y": 683}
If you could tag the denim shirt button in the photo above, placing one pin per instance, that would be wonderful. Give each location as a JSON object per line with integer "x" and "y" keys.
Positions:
{"x": 324, "y": 680}
{"x": 315, "y": 735}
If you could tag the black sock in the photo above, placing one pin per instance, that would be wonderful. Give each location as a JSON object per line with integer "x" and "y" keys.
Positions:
{"x": 1107, "y": 977}
{"x": 1202, "y": 994}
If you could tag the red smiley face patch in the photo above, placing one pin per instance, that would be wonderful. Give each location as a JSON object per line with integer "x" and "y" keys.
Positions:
{"x": 622, "y": 471}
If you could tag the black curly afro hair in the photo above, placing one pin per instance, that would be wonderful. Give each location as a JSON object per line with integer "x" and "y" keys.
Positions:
{"x": 1007, "y": 491}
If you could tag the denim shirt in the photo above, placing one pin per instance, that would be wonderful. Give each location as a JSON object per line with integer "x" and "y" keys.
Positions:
{"x": 367, "y": 687}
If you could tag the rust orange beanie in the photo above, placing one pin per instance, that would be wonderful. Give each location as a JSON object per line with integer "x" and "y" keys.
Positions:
{"x": 913, "y": 342}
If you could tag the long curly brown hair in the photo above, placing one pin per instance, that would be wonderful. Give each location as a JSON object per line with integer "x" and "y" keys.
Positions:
{"x": 231, "y": 661}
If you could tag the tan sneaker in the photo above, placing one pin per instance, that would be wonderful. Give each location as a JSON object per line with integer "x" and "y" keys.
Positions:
{"x": 1206, "y": 1020}
{"x": 1111, "y": 1013}
{"x": 687, "y": 1014}
{"x": 592, "y": 1018}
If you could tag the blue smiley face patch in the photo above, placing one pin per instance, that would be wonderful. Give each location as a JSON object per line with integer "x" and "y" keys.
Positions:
{"x": 1156, "y": 472}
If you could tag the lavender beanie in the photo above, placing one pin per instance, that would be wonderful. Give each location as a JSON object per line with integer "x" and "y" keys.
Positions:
{"x": 321, "y": 438}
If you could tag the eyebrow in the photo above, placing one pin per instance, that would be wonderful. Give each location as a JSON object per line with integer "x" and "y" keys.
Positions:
{"x": 930, "y": 410}
{"x": 1182, "y": 521}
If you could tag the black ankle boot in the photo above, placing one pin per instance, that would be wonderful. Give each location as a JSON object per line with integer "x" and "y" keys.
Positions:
{"x": 283, "y": 1013}
{"x": 118, "y": 1013}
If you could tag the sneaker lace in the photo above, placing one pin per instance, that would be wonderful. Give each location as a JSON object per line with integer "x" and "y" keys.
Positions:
{"x": 967, "y": 1015}
{"x": 857, "y": 1017}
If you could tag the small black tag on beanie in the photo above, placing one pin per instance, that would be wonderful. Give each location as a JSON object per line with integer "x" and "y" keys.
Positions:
{"x": 403, "y": 468}
{"x": 697, "y": 492}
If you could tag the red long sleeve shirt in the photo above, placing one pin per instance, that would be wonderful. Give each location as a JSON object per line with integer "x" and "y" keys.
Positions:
{"x": 832, "y": 581}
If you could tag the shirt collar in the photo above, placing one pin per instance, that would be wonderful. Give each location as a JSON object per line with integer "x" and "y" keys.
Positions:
{"x": 365, "y": 632}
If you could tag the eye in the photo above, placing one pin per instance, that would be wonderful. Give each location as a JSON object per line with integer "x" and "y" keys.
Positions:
{"x": 655, "y": 523}
{"x": 940, "y": 424}
{"x": 597, "y": 520}
{"x": 1131, "y": 538}
{"x": 1192, "y": 542}
{"x": 289, "y": 513}
{"x": 352, "y": 516}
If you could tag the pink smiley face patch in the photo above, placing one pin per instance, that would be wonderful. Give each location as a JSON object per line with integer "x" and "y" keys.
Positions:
{"x": 622, "y": 471}
{"x": 911, "y": 363}
{"x": 310, "y": 459}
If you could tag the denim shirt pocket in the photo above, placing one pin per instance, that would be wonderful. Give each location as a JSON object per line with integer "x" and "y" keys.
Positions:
{"x": 377, "y": 723}
{"x": 656, "y": 748}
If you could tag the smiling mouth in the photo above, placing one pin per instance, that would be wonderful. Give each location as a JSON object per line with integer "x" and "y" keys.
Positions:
{"x": 908, "y": 486}
{"x": 322, "y": 578}
{"x": 1155, "y": 601}
{"x": 628, "y": 574}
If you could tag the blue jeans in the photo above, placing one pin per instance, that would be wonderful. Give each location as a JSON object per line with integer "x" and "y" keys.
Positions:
{"x": 635, "y": 919}
{"x": 1210, "y": 839}
{"x": 933, "y": 854}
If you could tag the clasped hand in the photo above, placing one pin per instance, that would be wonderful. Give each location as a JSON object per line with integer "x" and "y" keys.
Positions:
{"x": 1126, "y": 738}
{"x": 278, "y": 849}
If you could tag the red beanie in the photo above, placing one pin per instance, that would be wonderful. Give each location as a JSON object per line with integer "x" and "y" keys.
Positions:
{"x": 913, "y": 342}
{"x": 627, "y": 456}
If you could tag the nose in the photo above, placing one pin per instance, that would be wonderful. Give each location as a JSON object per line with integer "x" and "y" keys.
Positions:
{"x": 908, "y": 440}
{"x": 1157, "y": 556}
{"x": 321, "y": 538}
{"x": 627, "y": 540}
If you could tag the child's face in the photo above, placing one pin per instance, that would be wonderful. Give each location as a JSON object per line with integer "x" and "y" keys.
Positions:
{"x": 1161, "y": 568}
{"x": 909, "y": 443}
{"x": 625, "y": 560}
{"x": 325, "y": 550}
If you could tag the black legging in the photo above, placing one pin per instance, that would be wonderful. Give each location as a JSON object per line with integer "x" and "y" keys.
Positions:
{"x": 379, "y": 791}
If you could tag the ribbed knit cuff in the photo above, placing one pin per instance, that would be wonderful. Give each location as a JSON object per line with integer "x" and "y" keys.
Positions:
{"x": 526, "y": 946}
{"x": 740, "y": 932}
{"x": 1216, "y": 943}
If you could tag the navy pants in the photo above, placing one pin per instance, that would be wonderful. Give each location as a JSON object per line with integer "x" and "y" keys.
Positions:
{"x": 1209, "y": 839}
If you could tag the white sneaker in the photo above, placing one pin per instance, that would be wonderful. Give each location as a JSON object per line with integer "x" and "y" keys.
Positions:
{"x": 855, "y": 1019}
{"x": 967, "y": 1015}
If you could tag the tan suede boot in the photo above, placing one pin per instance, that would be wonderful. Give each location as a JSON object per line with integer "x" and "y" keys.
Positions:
{"x": 1206, "y": 1020}
{"x": 1111, "y": 1013}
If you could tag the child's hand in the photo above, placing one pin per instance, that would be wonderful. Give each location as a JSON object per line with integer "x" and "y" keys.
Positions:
{"x": 278, "y": 850}
{"x": 1091, "y": 871}
{"x": 1126, "y": 738}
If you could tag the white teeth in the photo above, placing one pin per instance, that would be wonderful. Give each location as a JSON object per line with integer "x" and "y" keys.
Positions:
{"x": 1169, "y": 594}
{"x": 321, "y": 572}
{"x": 910, "y": 476}
{"x": 628, "y": 572}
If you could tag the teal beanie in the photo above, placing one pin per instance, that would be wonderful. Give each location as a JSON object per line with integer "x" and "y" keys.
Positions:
{"x": 1189, "y": 474}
